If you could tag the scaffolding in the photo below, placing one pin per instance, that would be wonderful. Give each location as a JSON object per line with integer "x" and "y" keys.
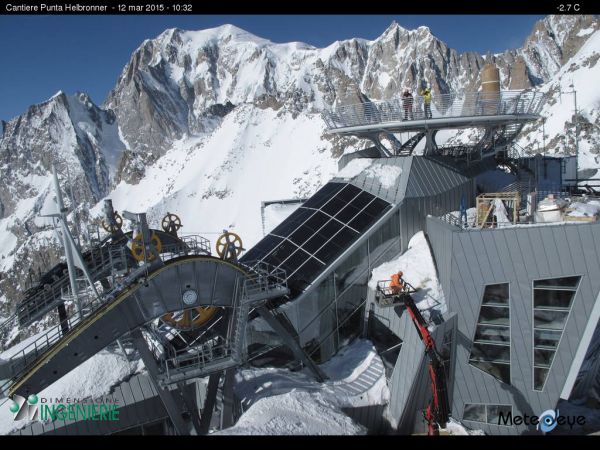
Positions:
{"x": 496, "y": 208}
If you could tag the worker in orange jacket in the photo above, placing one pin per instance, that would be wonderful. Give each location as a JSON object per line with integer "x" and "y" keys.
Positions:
{"x": 397, "y": 283}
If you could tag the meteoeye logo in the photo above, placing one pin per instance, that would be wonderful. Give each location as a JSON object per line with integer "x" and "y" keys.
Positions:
{"x": 545, "y": 422}
{"x": 51, "y": 409}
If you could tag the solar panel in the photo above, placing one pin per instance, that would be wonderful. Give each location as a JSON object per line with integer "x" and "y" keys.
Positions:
{"x": 314, "y": 235}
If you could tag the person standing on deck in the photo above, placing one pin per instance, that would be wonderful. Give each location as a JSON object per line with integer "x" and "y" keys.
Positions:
{"x": 426, "y": 94}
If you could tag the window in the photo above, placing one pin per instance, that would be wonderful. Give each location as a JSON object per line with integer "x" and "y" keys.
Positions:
{"x": 486, "y": 413}
{"x": 490, "y": 351}
{"x": 552, "y": 302}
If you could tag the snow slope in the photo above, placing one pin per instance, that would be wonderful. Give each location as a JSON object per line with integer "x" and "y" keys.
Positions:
{"x": 294, "y": 413}
{"x": 282, "y": 402}
{"x": 219, "y": 181}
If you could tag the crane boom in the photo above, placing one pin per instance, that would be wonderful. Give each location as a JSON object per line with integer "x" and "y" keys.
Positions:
{"x": 438, "y": 411}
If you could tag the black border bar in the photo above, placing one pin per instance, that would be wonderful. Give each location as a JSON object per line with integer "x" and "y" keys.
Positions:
{"x": 399, "y": 7}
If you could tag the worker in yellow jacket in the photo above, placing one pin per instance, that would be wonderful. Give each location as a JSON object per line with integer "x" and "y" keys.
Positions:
{"x": 426, "y": 94}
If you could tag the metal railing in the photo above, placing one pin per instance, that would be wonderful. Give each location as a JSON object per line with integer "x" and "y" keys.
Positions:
{"x": 452, "y": 218}
{"x": 263, "y": 278}
{"x": 102, "y": 262}
{"x": 199, "y": 359}
{"x": 189, "y": 245}
{"x": 442, "y": 106}
{"x": 26, "y": 357}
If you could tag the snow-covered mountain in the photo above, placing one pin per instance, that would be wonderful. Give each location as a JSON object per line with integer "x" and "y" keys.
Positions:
{"x": 208, "y": 124}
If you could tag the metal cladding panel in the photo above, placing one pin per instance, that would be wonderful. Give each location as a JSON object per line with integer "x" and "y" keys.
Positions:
{"x": 412, "y": 418}
{"x": 518, "y": 256}
{"x": 409, "y": 385}
{"x": 440, "y": 238}
{"x": 429, "y": 178}
{"x": 138, "y": 403}
{"x": 408, "y": 364}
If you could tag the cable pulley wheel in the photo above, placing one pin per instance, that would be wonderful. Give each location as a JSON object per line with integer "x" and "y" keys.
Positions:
{"x": 192, "y": 318}
{"x": 227, "y": 242}
{"x": 115, "y": 226}
{"x": 138, "y": 250}
{"x": 171, "y": 223}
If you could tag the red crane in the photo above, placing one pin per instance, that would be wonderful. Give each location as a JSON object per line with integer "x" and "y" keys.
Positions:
{"x": 397, "y": 291}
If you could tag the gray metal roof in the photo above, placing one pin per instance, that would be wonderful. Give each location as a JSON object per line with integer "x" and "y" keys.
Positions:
{"x": 419, "y": 177}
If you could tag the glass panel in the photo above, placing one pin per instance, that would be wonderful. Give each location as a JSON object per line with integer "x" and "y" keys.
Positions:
{"x": 361, "y": 222}
{"x": 349, "y": 193}
{"x": 323, "y": 195}
{"x": 566, "y": 282}
{"x": 308, "y": 271}
{"x": 263, "y": 247}
{"x": 473, "y": 412}
{"x": 347, "y": 213}
{"x": 308, "y": 229}
{"x": 316, "y": 242}
{"x": 539, "y": 378}
{"x": 337, "y": 245}
{"x": 493, "y": 413}
{"x": 490, "y": 352}
{"x": 375, "y": 207}
{"x": 281, "y": 253}
{"x": 554, "y": 320}
{"x": 317, "y": 221}
{"x": 322, "y": 236}
{"x": 496, "y": 294}
{"x": 552, "y": 301}
{"x": 543, "y": 358}
{"x": 552, "y": 298}
{"x": 494, "y": 334}
{"x": 358, "y": 203}
{"x": 292, "y": 222}
{"x": 333, "y": 206}
{"x": 294, "y": 261}
{"x": 494, "y": 315}
{"x": 301, "y": 235}
{"x": 497, "y": 370}
{"x": 546, "y": 338}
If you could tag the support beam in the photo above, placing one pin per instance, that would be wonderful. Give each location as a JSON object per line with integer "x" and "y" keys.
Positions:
{"x": 63, "y": 318}
{"x": 291, "y": 342}
{"x": 209, "y": 402}
{"x": 374, "y": 137}
{"x": 227, "y": 411}
{"x": 430, "y": 144}
{"x": 166, "y": 396}
{"x": 190, "y": 406}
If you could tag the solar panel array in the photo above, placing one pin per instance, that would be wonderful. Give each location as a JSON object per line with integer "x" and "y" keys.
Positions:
{"x": 314, "y": 235}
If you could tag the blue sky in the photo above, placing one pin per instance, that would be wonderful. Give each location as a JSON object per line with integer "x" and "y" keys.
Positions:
{"x": 44, "y": 54}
